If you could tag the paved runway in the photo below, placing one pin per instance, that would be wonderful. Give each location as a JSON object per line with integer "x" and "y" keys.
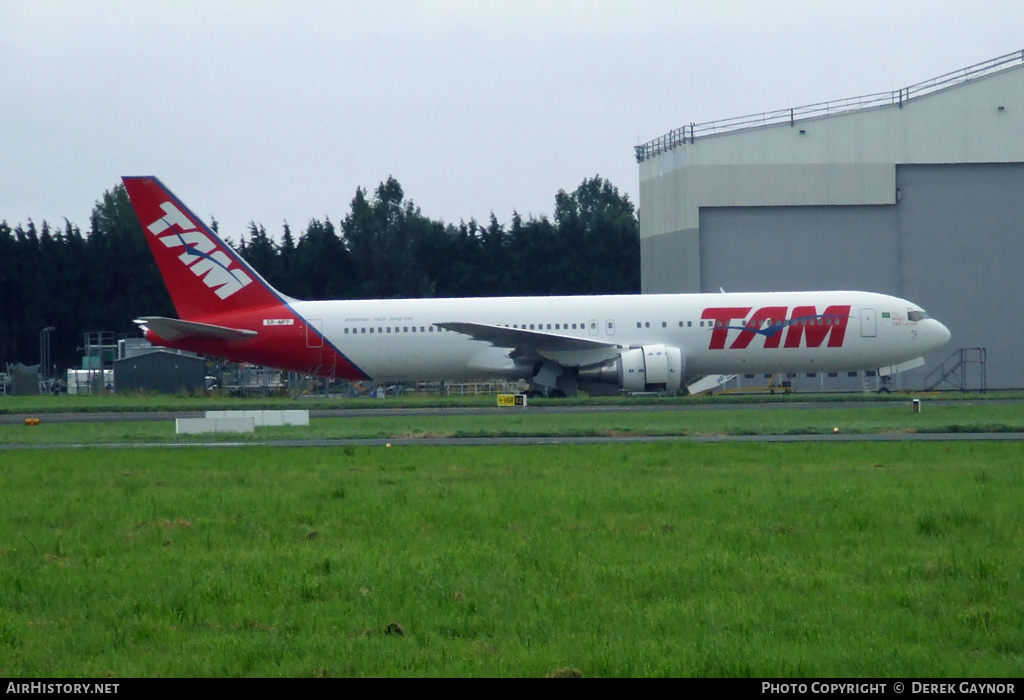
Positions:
{"x": 111, "y": 417}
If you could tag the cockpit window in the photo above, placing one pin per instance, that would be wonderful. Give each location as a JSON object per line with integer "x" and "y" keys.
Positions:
{"x": 917, "y": 315}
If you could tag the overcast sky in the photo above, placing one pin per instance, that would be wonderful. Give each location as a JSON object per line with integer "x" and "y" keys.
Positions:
{"x": 271, "y": 111}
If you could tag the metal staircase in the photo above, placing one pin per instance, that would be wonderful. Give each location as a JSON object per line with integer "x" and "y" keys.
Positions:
{"x": 953, "y": 371}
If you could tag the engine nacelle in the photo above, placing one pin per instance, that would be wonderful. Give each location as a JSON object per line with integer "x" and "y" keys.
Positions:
{"x": 648, "y": 368}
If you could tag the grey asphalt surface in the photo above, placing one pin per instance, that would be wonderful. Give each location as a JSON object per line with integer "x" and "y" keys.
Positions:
{"x": 479, "y": 442}
{"x": 112, "y": 417}
{"x": 448, "y": 442}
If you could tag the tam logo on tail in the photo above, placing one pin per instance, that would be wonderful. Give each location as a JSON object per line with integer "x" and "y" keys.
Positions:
{"x": 200, "y": 255}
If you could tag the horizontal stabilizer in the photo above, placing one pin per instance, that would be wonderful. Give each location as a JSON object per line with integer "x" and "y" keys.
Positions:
{"x": 171, "y": 329}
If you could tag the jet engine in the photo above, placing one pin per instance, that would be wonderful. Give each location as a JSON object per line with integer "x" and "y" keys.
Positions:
{"x": 647, "y": 368}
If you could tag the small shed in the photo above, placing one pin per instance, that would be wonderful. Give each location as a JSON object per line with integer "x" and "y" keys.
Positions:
{"x": 161, "y": 371}
{"x": 24, "y": 379}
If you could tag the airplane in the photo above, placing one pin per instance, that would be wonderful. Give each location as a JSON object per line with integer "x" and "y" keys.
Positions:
{"x": 559, "y": 344}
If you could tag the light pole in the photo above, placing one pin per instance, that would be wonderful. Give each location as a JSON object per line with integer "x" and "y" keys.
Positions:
{"x": 46, "y": 371}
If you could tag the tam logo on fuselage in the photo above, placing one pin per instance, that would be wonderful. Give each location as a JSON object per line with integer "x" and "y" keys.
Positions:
{"x": 804, "y": 325}
{"x": 201, "y": 255}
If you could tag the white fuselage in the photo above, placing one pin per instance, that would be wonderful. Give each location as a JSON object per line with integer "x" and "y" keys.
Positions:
{"x": 399, "y": 340}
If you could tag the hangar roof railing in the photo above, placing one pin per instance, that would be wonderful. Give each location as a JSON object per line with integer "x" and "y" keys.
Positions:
{"x": 688, "y": 133}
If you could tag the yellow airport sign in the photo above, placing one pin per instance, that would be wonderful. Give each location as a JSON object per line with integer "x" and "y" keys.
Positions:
{"x": 511, "y": 400}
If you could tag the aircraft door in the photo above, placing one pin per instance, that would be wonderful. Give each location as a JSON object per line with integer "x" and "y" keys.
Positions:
{"x": 314, "y": 333}
{"x": 321, "y": 360}
{"x": 868, "y": 324}
{"x": 593, "y": 326}
{"x": 609, "y": 326}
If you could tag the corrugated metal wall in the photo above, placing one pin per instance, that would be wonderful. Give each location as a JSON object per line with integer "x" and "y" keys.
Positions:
{"x": 924, "y": 201}
{"x": 953, "y": 242}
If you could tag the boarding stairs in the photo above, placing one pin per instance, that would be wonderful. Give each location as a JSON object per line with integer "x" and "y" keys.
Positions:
{"x": 953, "y": 371}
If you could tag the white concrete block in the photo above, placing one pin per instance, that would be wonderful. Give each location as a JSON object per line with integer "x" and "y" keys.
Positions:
{"x": 195, "y": 426}
{"x": 295, "y": 417}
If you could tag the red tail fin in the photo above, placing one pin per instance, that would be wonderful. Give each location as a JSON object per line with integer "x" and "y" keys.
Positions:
{"x": 204, "y": 276}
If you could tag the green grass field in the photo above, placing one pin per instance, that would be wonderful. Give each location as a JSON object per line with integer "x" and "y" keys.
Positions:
{"x": 894, "y": 560}
{"x": 959, "y": 417}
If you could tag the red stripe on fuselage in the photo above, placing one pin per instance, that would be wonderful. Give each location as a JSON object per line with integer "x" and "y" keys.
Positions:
{"x": 296, "y": 346}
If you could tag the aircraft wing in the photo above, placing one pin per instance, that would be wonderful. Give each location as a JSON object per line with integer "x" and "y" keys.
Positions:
{"x": 171, "y": 329}
{"x": 531, "y": 346}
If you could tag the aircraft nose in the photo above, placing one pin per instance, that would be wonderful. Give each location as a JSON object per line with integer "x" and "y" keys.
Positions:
{"x": 940, "y": 335}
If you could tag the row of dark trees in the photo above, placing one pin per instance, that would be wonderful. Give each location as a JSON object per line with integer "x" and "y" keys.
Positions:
{"x": 383, "y": 248}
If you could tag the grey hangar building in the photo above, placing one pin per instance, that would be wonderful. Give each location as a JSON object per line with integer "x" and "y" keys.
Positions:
{"x": 917, "y": 192}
